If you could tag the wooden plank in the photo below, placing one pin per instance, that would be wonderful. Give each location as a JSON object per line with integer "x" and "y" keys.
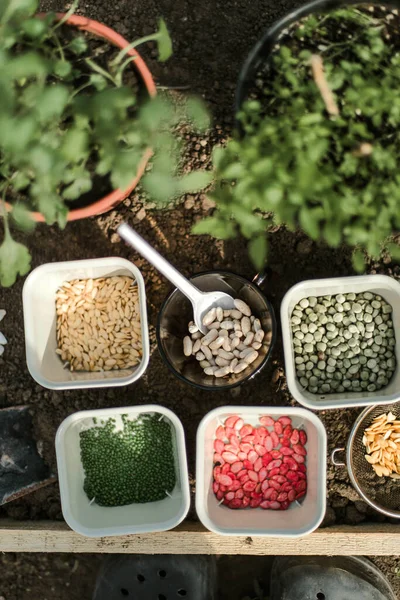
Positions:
{"x": 192, "y": 538}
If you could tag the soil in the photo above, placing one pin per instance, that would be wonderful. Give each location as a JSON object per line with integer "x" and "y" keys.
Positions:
{"x": 220, "y": 34}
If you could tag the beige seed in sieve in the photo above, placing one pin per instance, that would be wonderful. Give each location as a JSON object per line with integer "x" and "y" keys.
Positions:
{"x": 242, "y": 307}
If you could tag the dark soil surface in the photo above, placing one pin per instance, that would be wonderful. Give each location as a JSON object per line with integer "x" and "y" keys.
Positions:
{"x": 73, "y": 576}
{"x": 211, "y": 41}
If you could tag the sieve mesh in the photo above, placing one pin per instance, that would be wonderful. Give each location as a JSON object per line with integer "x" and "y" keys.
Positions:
{"x": 383, "y": 493}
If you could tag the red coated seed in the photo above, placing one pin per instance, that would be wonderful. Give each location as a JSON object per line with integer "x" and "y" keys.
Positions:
{"x": 225, "y": 468}
{"x": 252, "y": 456}
{"x": 284, "y": 469}
{"x": 275, "y": 464}
{"x": 303, "y": 437}
{"x": 245, "y": 501}
{"x": 229, "y": 457}
{"x": 216, "y": 472}
{"x": 278, "y": 427}
{"x": 220, "y": 495}
{"x": 219, "y": 446}
{"x": 258, "y": 488}
{"x": 276, "y": 454}
{"x": 255, "y": 502}
{"x": 241, "y": 473}
{"x": 302, "y": 468}
{"x": 261, "y": 450}
{"x": 282, "y": 497}
{"x": 262, "y": 474}
{"x": 275, "y": 505}
{"x": 253, "y": 476}
{"x": 258, "y": 465}
{"x": 236, "y": 485}
{"x": 236, "y": 503}
{"x": 265, "y": 504}
{"x": 229, "y": 496}
{"x": 274, "y": 472}
{"x": 298, "y": 458}
{"x": 238, "y": 425}
{"x": 274, "y": 485}
{"x": 285, "y": 421}
{"x": 230, "y": 421}
{"x": 255, "y": 494}
{"x": 274, "y": 495}
{"x": 301, "y": 475}
{"x": 247, "y": 464}
{"x": 299, "y": 449}
{"x": 244, "y": 479}
{"x": 268, "y": 443}
{"x": 240, "y": 493}
{"x": 223, "y": 488}
{"x": 286, "y": 451}
{"x": 285, "y": 505}
{"x": 266, "y": 459}
{"x": 246, "y": 430}
{"x": 215, "y": 487}
{"x": 292, "y": 476}
{"x": 287, "y": 432}
{"x": 234, "y": 441}
{"x": 229, "y": 431}
{"x": 291, "y": 495}
{"x": 265, "y": 485}
{"x": 267, "y": 421}
{"x": 246, "y": 447}
{"x": 236, "y": 467}
{"x": 280, "y": 479}
{"x": 225, "y": 480}
{"x": 285, "y": 442}
{"x": 242, "y": 455}
{"x": 248, "y": 439}
{"x": 268, "y": 493}
{"x": 294, "y": 438}
{"x": 218, "y": 458}
{"x": 230, "y": 448}
{"x": 220, "y": 433}
{"x": 292, "y": 464}
{"x": 262, "y": 432}
{"x": 275, "y": 439}
{"x": 300, "y": 486}
{"x": 249, "y": 486}
{"x": 286, "y": 487}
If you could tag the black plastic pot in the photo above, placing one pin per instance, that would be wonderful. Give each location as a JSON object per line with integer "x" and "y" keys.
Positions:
{"x": 262, "y": 51}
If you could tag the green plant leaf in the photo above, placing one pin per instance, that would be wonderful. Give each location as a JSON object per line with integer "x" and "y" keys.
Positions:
{"x": 62, "y": 68}
{"x": 215, "y": 227}
{"x": 124, "y": 169}
{"x": 394, "y": 251}
{"x": 258, "y": 251}
{"x": 52, "y": 102}
{"x": 80, "y": 186}
{"x": 14, "y": 259}
{"x": 218, "y": 155}
{"x": 160, "y": 186}
{"x": 358, "y": 260}
{"x": 12, "y": 8}
{"x": 193, "y": 182}
{"x": 78, "y": 45}
{"x": 164, "y": 41}
{"x": 309, "y": 223}
{"x": 28, "y": 64}
{"x": 75, "y": 145}
{"x": 23, "y": 217}
{"x": 332, "y": 233}
{"x": 34, "y": 28}
{"x": 198, "y": 113}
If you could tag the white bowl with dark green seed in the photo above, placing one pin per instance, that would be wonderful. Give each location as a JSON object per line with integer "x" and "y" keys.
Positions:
{"x": 122, "y": 470}
{"x": 340, "y": 343}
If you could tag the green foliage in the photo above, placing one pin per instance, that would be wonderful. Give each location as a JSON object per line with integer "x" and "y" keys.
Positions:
{"x": 336, "y": 177}
{"x": 66, "y": 113}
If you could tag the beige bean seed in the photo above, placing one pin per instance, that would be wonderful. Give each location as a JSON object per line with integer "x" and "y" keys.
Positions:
{"x": 251, "y": 357}
{"x": 240, "y": 367}
{"x": 187, "y": 346}
{"x": 214, "y": 325}
{"x": 227, "y": 313}
{"x": 246, "y": 325}
{"x": 236, "y": 314}
{"x": 256, "y": 345}
{"x": 227, "y": 325}
{"x": 210, "y": 370}
{"x": 220, "y": 314}
{"x": 237, "y": 326}
{"x": 209, "y": 337}
{"x": 197, "y": 335}
{"x": 217, "y": 343}
{"x": 222, "y": 372}
{"x": 259, "y": 335}
{"x": 249, "y": 338}
{"x": 224, "y": 354}
{"x": 221, "y": 362}
{"x": 236, "y": 353}
{"x": 241, "y": 346}
{"x": 200, "y": 356}
{"x": 206, "y": 351}
{"x": 242, "y": 307}
{"x": 223, "y": 333}
{"x": 227, "y": 345}
{"x": 193, "y": 327}
{"x": 196, "y": 346}
{"x": 256, "y": 325}
{"x": 204, "y": 364}
{"x": 233, "y": 364}
{"x": 246, "y": 351}
{"x": 235, "y": 343}
{"x": 209, "y": 317}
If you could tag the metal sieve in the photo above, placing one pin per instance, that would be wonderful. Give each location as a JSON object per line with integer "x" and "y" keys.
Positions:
{"x": 382, "y": 493}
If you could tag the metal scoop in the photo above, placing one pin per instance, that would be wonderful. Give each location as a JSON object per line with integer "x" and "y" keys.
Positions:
{"x": 202, "y": 302}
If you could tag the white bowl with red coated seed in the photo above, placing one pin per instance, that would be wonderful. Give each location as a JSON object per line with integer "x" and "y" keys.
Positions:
{"x": 261, "y": 471}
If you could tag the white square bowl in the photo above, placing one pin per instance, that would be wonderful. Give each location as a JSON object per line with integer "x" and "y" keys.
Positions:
{"x": 93, "y": 520}
{"x": 382, "y": 285}
{"x": 40, "y": 319}
{"x": 301, "y": 517}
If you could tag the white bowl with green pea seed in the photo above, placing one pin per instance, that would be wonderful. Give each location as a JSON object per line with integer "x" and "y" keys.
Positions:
{"x": 340, "y": 342}
{"x": 122, "y": 470}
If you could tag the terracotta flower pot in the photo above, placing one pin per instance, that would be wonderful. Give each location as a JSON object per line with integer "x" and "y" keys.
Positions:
{"x": 108, "y": 202}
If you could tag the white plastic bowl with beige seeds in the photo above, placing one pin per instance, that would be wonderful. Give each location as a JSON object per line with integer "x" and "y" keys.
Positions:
{"x": 98, "y": 324}
{"x": 231, "y": 344}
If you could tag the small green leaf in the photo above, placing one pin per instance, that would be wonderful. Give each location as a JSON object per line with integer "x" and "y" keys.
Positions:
{"x": 309, "y": 223}
{"x": 358, "y": 260}
{"x": 34, "y": 28}
{"x": 394, "y": 251}
{"x": 216, "y": 227}
{"x": 258, "y": 251}
{"x": 160, "y": 186}
{"x": 12, "y": 8}
{"x": 198, "y": 113}
{"x": 14, "y": 259}
{"x": 98, "y": 81}
{"x": 52, "y": 102}
{"x": 62, "y": 68}
{"x": 28, "y": 64}
{"x": 164, "y": 41}
{"x": 78, "y": 45}
{"x": 233, "y": 171}
{"x": 23, "y": 217}
{"x": 218, "y": 155}
{"x": 80, "y": 186}
{"x": 332, "y": 233}
{"x": 193, "y": 182}
{"x": 75, "y": 145}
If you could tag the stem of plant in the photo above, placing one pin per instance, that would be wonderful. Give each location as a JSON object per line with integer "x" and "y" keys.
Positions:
{"x": 124, "y": 52}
